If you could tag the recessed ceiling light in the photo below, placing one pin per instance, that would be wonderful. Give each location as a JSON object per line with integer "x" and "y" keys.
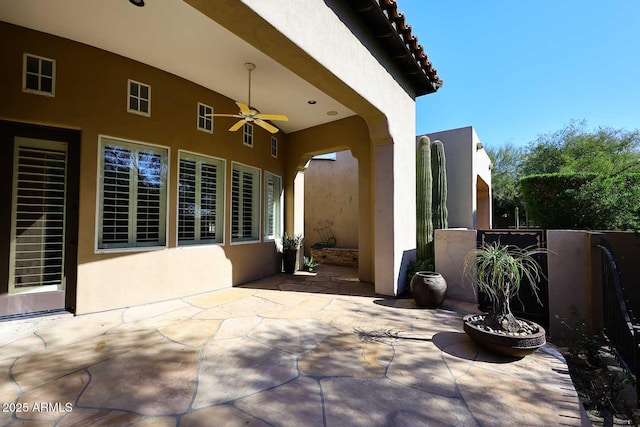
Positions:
{"x": 138, "y": 3}
{"x": 332, "y": 113}
{"x": 311, "y": 101}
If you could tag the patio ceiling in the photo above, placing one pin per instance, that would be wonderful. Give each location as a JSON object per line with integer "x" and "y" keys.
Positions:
{"x": 173, "y": 36}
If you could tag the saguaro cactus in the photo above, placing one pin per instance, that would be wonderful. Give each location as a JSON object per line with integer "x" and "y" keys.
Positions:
{"x": 439, "y": 175}
{"x": 424, "y": 221}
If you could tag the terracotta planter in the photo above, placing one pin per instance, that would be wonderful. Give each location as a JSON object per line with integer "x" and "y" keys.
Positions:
{"x": 428, "y": 289}
{"x": 508, "y": 345}
{"x": 289, "y": 260}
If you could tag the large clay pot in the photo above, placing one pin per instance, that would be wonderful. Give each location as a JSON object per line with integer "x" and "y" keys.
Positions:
{"x": 289, "y": 259}
{"x": 428, "y": 289}
{"x": 507, "y": 345}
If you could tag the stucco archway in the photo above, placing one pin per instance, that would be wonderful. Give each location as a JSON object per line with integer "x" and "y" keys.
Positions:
{"x": 347, "y": 134}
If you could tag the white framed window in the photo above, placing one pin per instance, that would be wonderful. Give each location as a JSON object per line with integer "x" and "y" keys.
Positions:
{"x": 273, "y": 198}
{"x": 247, "y": 134}
{"x": 132, "y": 195}
{"x": 205, "y": 120}
{"x": 138, "y": 98}
{"x": 39, "y": 75}
{"x": 200, "y": 199}
{"x": 245, "y": 203}
{"x": 274, "y": 147}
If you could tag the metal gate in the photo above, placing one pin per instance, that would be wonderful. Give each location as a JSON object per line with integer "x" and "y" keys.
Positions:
{"x": 524, "y": 304}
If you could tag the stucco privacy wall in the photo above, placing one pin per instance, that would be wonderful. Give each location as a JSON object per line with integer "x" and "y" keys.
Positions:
{"x": 570, "y": 280}
{"x": 451, "y": 246}
{"x": 331, "y": 194}
{"x": 337, "y": 62}
{"x": 91, "y": 90}
{"x": 574, "y": 289}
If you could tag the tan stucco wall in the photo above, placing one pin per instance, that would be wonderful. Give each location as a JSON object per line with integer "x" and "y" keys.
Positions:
{"x": 331, "y": 194}
{"x": 91, "y": 90}
{"x": 570, "y": 286}
{"x": 468, "y": 205}
{"x": 451, "y": 247}
{"x": 323, "y": 42}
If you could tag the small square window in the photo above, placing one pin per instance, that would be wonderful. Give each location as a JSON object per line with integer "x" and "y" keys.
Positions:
{"x": 247, "y": 134}
{"x": 139, "y": 98}
{"x": 39, "y": 75}
{"x": 205, "y": 118}
{"x": 274, "y": 147}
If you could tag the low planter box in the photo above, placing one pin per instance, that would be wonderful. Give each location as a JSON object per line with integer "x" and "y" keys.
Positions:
{"x": 336, "y": 256}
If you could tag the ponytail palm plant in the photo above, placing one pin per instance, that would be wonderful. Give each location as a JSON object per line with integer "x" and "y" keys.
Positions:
{"x": 499, "y": 270}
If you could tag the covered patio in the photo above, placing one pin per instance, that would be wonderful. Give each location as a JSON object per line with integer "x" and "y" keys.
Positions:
{"x": 314, "y": 349}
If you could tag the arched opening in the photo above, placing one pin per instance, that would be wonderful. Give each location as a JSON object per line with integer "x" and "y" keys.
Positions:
{"x": 483, "y": 205}
{"x": 351, "y": 141}
{"x": 331, "y": 208}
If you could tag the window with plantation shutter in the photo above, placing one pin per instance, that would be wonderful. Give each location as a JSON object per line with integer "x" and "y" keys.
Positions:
{"x": 38, "y": 216}
{"x": 245, "y": 203}
{"x": 272, "y": 206}
{"x": 200, "y": 200}
{"x": 132, "y": 195}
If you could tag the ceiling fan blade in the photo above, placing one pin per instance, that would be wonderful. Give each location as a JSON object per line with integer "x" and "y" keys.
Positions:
{"x": 266, "y": 126}
{"x": 237, "y": 116}
{"x": 278, "y": 117}
{"x": 243, "y": 107}
{"x": 237, "y": 125}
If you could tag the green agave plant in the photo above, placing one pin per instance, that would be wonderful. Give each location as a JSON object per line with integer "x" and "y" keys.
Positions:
{"x": 499, "y": 270}
{"x": 291, "y": 242}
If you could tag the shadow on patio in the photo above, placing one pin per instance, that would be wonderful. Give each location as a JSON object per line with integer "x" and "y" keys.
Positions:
{"x": 284, "y": 351}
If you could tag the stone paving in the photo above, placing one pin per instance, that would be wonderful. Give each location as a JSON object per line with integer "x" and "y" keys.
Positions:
{"x": 306, "y": 350}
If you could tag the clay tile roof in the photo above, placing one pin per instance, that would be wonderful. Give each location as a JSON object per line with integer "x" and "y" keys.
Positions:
{"x": 390, "y": 28}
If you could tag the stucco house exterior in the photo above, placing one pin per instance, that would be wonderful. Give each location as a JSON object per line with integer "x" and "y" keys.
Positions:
{"x": 468, "y": 178}
{"x": 117, "y": 187}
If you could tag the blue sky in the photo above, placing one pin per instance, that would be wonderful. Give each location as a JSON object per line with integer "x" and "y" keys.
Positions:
{"x": 515, "y": 69}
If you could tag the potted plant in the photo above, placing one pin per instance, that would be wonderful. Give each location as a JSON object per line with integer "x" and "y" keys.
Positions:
{"x": 290, "y": 246}
{"x": 309, "y": 264}
{"x": 498, "y": 271}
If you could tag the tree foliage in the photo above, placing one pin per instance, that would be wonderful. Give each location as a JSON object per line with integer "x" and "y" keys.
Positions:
{"x": 507, "y": 165}
{"x": 583, "y": 201}
{"x": 608, "y": 199}
{"x": 574, "y": 149}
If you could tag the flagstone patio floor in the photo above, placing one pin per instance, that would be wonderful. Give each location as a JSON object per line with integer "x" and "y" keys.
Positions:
{"x": 305, "y": 350}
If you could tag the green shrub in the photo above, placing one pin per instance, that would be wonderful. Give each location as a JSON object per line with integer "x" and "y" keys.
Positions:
{"x": 583, "y": 201}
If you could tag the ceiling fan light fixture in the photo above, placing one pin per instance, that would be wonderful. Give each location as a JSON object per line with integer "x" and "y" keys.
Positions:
{"x": 248, "y": 114}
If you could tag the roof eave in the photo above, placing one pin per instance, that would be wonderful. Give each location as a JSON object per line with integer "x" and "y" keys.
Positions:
{"x": 389, "y": 28}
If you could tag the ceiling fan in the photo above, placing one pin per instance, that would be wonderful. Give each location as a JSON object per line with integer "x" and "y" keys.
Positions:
{"x": 249, "y": 115}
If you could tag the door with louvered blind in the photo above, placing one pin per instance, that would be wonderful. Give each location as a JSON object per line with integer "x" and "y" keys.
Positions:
{"x": 36, "y": 280}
